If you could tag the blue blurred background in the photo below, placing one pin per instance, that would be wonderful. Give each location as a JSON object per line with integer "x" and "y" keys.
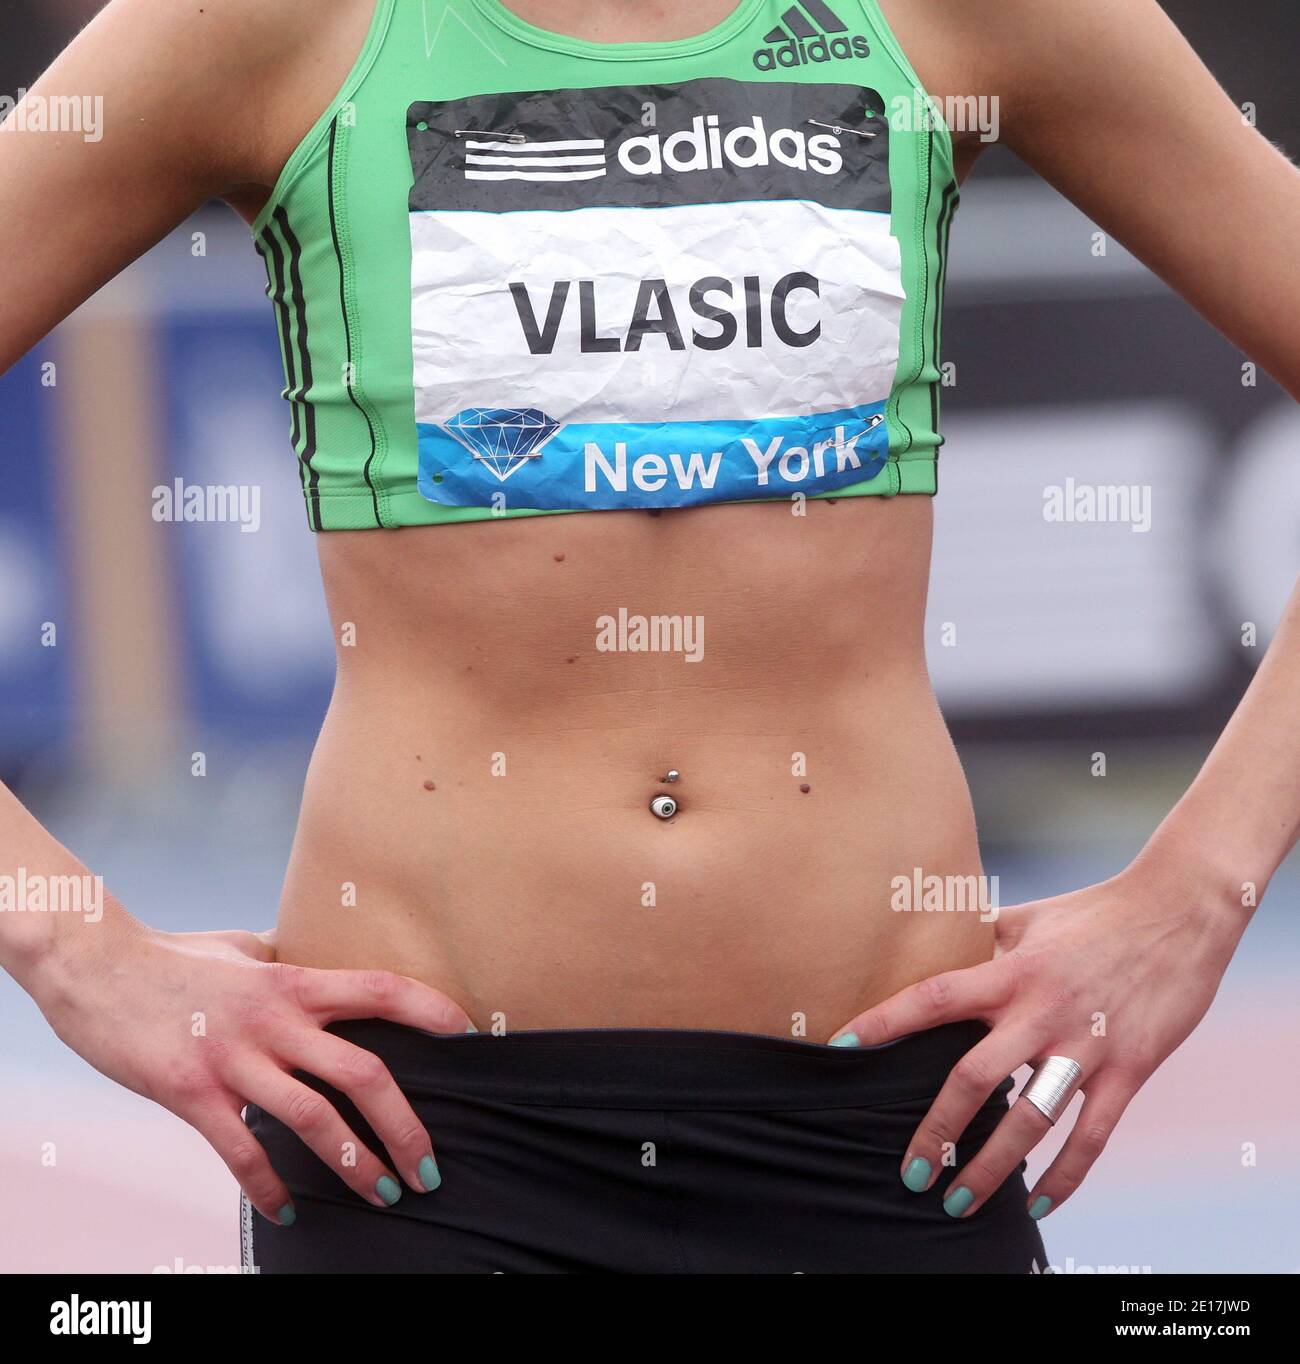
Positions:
{"x": 1070, "y": 640}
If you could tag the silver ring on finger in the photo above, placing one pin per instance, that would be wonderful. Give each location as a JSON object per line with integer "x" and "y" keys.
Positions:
{"x": 1052, "y": 1086}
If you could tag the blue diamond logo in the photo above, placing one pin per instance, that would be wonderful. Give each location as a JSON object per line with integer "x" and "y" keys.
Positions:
{"x": 503, "y": 438}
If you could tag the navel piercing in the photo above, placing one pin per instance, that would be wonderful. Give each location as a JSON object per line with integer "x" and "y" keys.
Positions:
{"x": 663, "y": 806}
{"x": 671, "y": 775}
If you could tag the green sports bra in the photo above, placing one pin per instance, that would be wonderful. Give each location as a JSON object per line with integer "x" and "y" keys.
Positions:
{"x": 517, "y": 273}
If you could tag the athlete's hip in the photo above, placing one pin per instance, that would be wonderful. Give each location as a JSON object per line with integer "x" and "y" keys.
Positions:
{"x": 653, "y": 1152}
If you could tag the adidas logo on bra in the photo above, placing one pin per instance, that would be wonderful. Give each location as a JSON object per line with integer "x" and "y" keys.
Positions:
{"x": 805, "y": 39}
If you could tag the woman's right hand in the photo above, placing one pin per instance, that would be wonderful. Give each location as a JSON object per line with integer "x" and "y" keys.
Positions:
{"x": 204, "y": 1023}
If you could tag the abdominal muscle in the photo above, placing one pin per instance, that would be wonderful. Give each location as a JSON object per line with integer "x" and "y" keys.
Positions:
{"x": 476, "y": 813}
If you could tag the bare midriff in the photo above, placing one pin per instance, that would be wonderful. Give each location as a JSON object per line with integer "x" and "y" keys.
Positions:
{"x": 477, "y": 811}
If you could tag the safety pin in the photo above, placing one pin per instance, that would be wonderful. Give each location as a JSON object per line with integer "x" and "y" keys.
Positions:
{"x": 837, "y": 128}
{"x": 486, "y": 132}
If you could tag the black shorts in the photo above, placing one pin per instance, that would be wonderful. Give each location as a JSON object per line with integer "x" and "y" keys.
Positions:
{"x": 652, "y": 1152}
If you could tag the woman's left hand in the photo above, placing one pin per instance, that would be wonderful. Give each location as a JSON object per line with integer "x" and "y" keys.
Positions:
{"x": 1114, "y": 976}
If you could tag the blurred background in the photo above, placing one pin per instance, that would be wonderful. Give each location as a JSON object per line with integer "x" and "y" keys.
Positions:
{"x": 1049, "y": 642}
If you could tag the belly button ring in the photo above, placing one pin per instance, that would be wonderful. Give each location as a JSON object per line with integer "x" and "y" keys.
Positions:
{"x": 663, "y": 806}
{"x": 671, "y": 775}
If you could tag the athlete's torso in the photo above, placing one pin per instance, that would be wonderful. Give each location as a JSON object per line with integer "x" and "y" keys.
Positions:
{"x": 477, "y": 810}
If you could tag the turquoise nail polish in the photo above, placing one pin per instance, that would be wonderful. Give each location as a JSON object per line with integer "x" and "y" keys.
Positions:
{"x": 1040, "y": 1207}
{"x": 286, "y": 1215}
{"x": 917, "y": 1174}
{"x": 958, "y": 1200}
{"x": 469, "y": 1027}
{"x": 388, "y": 1189}
{"x": 846, "y": 1039}
{"x": 429, "y": 1175}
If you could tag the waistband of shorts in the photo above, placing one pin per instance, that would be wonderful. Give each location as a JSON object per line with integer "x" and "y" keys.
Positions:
{"x": 664, "y": 1068}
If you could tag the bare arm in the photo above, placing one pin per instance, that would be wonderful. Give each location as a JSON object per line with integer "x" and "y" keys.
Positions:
{"x": 74, "y": 212}
{"x": 1111, "y": 105}
{"x": 1107, "y": 101}
{"x": 200, "y": 98}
